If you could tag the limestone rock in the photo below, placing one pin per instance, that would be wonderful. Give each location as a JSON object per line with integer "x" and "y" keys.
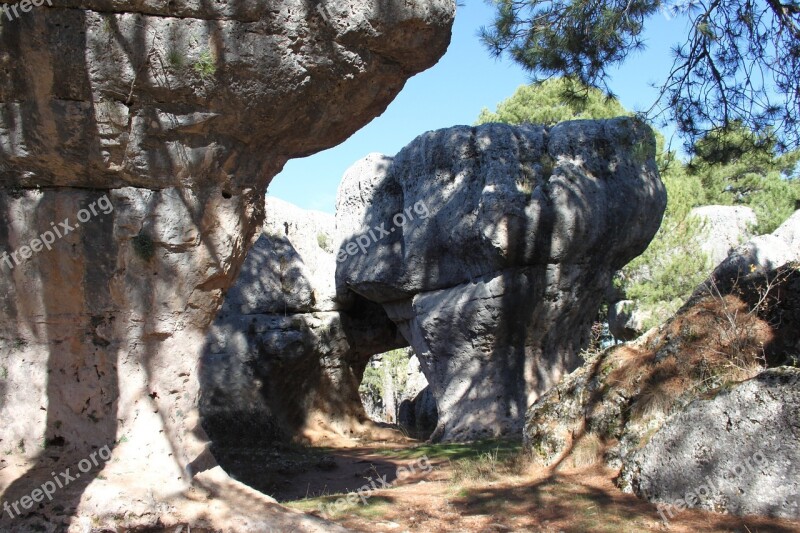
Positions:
{"x": 735, "y": 453}
{"x": 762, "y": 253}
{"x": 419, "y": 416}
{"x": 178, "y": 114}
{"x": 625, "y": 320}
{"x": 491, "y": 248}
{"x": 625, "y": 394}
{"x": 724, "y": 227}
{"x": 415, "y": 379}
{"x": 789, "y": 232}
{"x": 284, "y": 359}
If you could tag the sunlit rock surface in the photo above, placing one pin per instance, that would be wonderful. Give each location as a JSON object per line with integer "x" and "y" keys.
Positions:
{"x": 735, "y": 452}
{"x": 179, "y": 114}
{"x": 491, "y": 248}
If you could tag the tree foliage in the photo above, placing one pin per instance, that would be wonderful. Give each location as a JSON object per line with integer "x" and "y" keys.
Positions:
{"x": 739, "y": 62}
{"x": 393, "y": 366}
{"x": 730, "y": 166}
{"x": 545, "y": 103}
{"x": 671, "y": 267}
{"x": 739, "y": 167}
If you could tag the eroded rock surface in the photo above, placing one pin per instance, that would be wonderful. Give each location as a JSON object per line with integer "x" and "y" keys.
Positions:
{"x": 689, "y": 379}
{"x": 491, "y": 248}
{"x": 724, "y": 228}
{"x": 178, "y": 114}
{"x": 284, "y": 359}
{"x": 734, "y": 453}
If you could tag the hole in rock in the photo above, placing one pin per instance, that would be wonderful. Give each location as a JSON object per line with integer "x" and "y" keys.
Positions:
{"x": 332, "y": 455}
{"x": 394, "y": 391}
{"x": 285, "y": 374}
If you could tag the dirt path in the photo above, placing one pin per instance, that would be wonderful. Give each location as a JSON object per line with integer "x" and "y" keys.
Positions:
{"x": 290, "y": 473}
{"x": 452, "y": 490}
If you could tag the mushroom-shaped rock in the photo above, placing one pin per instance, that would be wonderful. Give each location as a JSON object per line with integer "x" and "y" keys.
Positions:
{"x": 137, "y": 140}
{"x": 491, "y": 248}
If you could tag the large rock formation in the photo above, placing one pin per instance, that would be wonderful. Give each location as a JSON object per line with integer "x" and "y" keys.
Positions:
{"x": 762, "y": 253}
{"x": 136, "y": 144}
{"x": 623, "y": 396}
{"x": 491, "y": 248}
{"x": 736, "y": 452}
{"x": 724, "y": 227}
{"x": 284, "y": 359}
{"x": 688, "y": 411}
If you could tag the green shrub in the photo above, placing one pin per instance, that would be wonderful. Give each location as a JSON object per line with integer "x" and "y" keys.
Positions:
{"x": 553, "y": 101}
{"x": 205, "y": 65}
{"x": 324, "y": 242}
{"x": 176, "y": 59}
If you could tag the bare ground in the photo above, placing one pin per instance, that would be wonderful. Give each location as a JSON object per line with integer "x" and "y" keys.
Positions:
{"x": 486, "y": 488}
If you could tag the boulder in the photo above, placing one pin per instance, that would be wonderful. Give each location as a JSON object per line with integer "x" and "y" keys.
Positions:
{"x": 762, "y": 253}
{"x": 724, "y": 227}
{"x": 625, "y": 320}
{"x": 284, "y": 359}
{"x": 735, "y": 453}
{"x": 789, "y": 232}
{"x": 700, "y": 377}
{"x": 491, "y": 248}
{"x": 137, "y": 140}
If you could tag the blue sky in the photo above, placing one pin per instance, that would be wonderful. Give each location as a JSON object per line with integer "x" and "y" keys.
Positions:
{"x": 453, "y": 92}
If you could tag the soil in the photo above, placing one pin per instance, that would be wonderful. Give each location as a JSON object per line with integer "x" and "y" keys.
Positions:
{"x": 435, "y": 499}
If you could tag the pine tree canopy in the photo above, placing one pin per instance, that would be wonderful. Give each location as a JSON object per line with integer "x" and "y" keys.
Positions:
{"x": 739, "y": 63}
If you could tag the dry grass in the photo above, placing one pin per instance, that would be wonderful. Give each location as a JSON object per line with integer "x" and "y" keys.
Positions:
{"x": 717, "y": 340}
{"x": 587, "y": 450}
{"x": 627, "y": 363}
{"x": 720, "y": 337}
{"x": 499, "y": 498}
{"x": 488, "y": 466}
